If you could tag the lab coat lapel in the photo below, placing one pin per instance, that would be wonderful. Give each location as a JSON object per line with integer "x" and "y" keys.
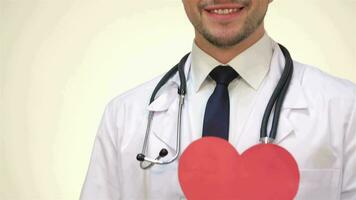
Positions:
{"x": 295, "y": 100}
{"x": 164, "y": 121}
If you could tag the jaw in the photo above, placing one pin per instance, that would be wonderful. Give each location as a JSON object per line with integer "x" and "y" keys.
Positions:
{"x": 227, "y": 53}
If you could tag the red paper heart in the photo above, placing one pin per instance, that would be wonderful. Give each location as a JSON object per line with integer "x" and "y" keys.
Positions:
{"x": 211, "y": 168}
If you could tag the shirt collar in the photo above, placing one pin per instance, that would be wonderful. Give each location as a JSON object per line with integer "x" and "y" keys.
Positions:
{"x": 252, "y": 65}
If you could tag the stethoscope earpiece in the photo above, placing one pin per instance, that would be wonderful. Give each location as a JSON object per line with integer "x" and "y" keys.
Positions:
{"x": 163, "y": 153}
{"x": 140, "y": 157}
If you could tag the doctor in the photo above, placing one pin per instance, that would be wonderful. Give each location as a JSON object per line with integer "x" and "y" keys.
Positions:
{"x": 317, "y": 123}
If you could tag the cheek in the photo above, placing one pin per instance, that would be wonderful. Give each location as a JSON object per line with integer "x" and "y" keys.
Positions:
{"x": 258, "y": 8}
{"x": 191, "y": 9}
{"x": 194, "y": 16}
{"x": 261, "y": 6}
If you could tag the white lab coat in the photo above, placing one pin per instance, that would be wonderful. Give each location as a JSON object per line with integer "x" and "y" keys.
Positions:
{"x": 317, "y": 125}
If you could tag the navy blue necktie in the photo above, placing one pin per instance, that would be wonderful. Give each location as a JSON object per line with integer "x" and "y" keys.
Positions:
{"x": 217, "y": 111}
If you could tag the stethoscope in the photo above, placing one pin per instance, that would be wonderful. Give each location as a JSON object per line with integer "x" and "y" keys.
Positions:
{"x": 275, "y": 102}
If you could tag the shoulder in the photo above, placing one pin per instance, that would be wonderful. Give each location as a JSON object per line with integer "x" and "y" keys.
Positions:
{"x": 135, "y": 98}
{"x": 318, "y": 83}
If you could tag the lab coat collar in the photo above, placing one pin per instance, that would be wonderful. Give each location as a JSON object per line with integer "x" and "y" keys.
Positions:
{"x": 169, "y": 91}
{"x": 165, "y": 98}
{"x": 295, "y": 97}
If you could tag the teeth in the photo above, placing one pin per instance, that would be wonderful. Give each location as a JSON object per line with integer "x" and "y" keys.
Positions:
{"x": 224, "y": 11}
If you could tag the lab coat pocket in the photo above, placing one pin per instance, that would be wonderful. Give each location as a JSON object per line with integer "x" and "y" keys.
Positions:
{"x": 319, "y": 184}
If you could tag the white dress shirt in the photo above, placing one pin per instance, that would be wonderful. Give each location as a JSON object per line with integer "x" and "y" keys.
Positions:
{"x": 252, "y": 65}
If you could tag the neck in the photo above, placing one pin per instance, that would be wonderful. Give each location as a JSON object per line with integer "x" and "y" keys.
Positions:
{"x": 224, "y": 55}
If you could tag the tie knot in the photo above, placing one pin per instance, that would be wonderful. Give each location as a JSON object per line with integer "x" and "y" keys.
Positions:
{"x": 223, "y": 74}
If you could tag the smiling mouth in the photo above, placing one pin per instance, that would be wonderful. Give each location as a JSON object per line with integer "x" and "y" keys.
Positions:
{"x": 225, "y": 11}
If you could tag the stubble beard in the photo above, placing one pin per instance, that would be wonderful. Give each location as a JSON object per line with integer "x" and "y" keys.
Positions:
{"x": 250, "y": 25}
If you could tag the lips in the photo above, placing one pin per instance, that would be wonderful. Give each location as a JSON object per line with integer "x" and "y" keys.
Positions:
{"x": 224, "y": 11}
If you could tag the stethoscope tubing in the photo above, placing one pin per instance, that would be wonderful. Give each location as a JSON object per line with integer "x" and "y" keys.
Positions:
{"x": 275, "y": 102}
{"x": 277, "y": 99}
{"x": 181, "y": 91}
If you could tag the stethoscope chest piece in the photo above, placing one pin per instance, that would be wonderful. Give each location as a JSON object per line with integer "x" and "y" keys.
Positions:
{"x": 211, "y": 168}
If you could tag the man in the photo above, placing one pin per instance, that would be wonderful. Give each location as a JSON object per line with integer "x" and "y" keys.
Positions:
{"x": 317, "y": 123}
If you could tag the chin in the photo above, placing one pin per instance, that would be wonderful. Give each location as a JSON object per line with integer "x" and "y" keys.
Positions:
{"x": 226, "y": 38}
